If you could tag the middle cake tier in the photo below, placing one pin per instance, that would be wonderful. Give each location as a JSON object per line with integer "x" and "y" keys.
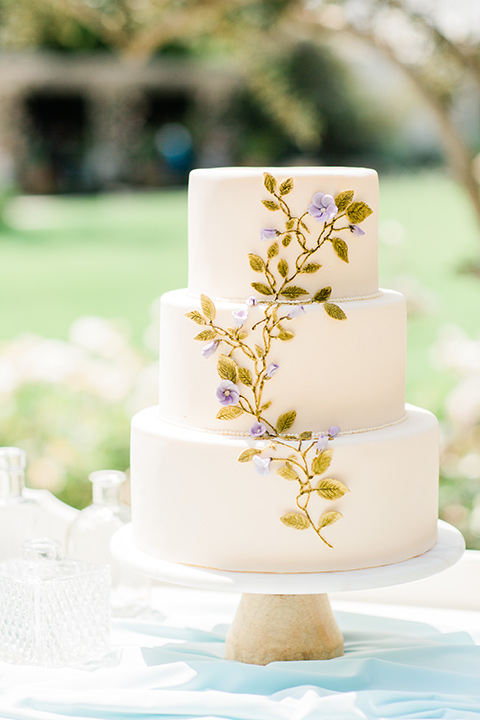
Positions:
{"x": 348, "y": 373}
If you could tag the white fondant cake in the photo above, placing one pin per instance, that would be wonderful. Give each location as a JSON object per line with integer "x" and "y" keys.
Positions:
{"x": 281, "y": 442}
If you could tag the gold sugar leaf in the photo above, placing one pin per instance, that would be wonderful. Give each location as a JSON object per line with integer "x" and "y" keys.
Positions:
{"x": 289, "y": 225}
{"x": 196, "y": 317}
{"x": 311, "y": 268}
{"x": 357, "y": 212}
{"x": 245, "y": 376}
{"x": 286, "y": 186}
{"x": 295, "y": 521}
{"x": 286, "y": 471}
{"x": 266, "y": 406}
{"x": 323, "y": 294}
{"x": 256, "y": 262}
{"x": 285, "y": 421}
{"x": 208, "y": 307}
{"x": 242, "y": 334}
{"x": 248, "y": 455}
{"x": 293, "y": 291}
{"x": 321, "y": 462}
{"x": 206, "y": 335}
{"x": 230, "y": 412}
{"x": 261, "y": 288}
{"x": 269, "y": 182}
{"x": 335, "y": 311}
{"x": 227, "y": 368}
{"x": 259, "y": 350}
{"x": 329, "y": 518}
{"x": 283, "y": 268}
{"x": 285, "y": 335}
{"x": 341, "y": 248}
{"x": 331, "y": 489}
{"x": 271, "y": 204}
{"x": 287, "y": 240}
{"x": 307, "y": 435}
{"x": 272, "y": 250}
{"x": 343, "y": 199}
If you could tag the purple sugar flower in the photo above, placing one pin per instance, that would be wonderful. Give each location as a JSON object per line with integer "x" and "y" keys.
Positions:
{"x": 356, "y": 230}
{"x": 323, "y": 207}
{"x": 210, "y": 348}
{"x": 251, "y": 301}
{"x": 240, "y": 316}
{"x": 322, "y": 443}
{"x": 333, "y": 431}
{"x": 272, "y": 369}
{"x": 257, "y": 429}
{"x": 262, "y": 465}
{"x": 268, "y": 234}
{"x": 227, "y": 393}
{"x": 296, "y": 311}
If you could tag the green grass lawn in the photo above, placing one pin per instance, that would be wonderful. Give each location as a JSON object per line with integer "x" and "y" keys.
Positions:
{"x": 112, "y": 255}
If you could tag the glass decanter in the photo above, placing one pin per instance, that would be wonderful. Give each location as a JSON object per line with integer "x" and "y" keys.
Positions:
{"x": 89, "y": 540}
{"x": 18, "y": 515}
{"x": 53, "y": 611}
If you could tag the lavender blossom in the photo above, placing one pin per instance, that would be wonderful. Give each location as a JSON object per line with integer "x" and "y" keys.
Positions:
{"x": 251, "y": 301}
{"x": 227, "y": 393}
{"x": 210, "y": 348}
{"x": 262, "y": 465}
{"x": 356, "y": 230}
{"x": 323, "y": 207}
{"x": 258, "y": 429}
{"x": 296, "y": 311}
{"x": 322, "y": 443}
{"x": 268, "y": 234}
{"x": 272, "y": 369}
{"x": 240, "y": 316}
{"x": 333, "y": 431}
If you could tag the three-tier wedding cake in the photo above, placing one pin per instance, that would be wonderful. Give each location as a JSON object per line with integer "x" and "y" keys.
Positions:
{"x": 281, "y": 442}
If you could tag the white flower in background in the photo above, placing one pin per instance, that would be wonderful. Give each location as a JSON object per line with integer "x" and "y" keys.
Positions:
{"x": 51, "y": 361}
{"x": 46, "y": 473}
{"x": 98, "y": 335}
{"x": 144, "y": 392}
{"x": 455, "y": 350}
{"x": 462, "y": 405}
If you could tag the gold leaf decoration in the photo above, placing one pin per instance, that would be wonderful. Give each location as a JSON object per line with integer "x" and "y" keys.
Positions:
{"x": 248, "y": 455}
{"x": 290, "y": 223}
{"x": 208, "y": 307}
{"x": 329, "y": 518}
{"x": 196, "y": 317}
{"x": 341, "y": 248}
{"x": 272, "y": 250}
{"x": 245, "y": 376}
{"x": 287, "y": 240}
{"x": 322, "y": 462}
{"x": 269, "y": 182}
{"x": 335, "y": 311}
{"x": 331, "y": 489}
{"x": 261, "y": 288}
{"x": 286, "y": 471}
{"x": 230, "y": 412}
{"x": 266, "y": 406}
{"x": 357, "y": 212}
{"x": 206, "y": 335}
{"x": 285, "y": 421}
{"x": 343, "y": 199}
{"x": 286, "y": 335}
{"x": 295, "y": 521}
{"x": 286, "y": 186}
{"x": 259, "y": 350}
{"x": 242, "y": 334}
{"x": 307, "y": 435}
{"x": 256, "y": 262}
{"x": 323, "y": 294}
{"x": 283, "y": 268}
{"x": 227, "y": 368}
{"x": 271, "y": 204}
{"x": 293, "y": 291}
{"x": 311, "y": 268}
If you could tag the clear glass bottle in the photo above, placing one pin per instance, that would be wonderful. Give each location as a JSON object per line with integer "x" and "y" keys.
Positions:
{"x": 18, "y": 516}
{"x": 89, "y": 538}
{"x": 53, "y": 611}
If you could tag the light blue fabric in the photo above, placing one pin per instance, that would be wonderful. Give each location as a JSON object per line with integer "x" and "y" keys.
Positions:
{"x": 391, "y": 669}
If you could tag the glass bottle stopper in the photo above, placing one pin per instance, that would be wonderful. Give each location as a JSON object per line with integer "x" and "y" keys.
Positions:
{"x": 12, "y": 471}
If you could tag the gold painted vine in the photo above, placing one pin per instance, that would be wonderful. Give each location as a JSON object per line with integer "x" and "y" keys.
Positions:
{"x": 241, "y": 388}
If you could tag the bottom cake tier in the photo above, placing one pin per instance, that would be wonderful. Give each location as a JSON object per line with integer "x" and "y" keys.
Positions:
{"x": 194, "y": 503}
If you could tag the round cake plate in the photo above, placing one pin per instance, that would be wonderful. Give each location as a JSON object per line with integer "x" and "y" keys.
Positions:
{"x": 287, "y": 616}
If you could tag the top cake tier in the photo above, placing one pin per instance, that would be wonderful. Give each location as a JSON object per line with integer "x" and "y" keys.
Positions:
{"x": 234, "y": 212}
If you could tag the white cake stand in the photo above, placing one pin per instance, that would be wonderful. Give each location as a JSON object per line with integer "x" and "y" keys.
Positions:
{"x": 288, "y": 616}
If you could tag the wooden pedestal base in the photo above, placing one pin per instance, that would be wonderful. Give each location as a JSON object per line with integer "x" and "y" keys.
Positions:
{"x": 268, "y": 628}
